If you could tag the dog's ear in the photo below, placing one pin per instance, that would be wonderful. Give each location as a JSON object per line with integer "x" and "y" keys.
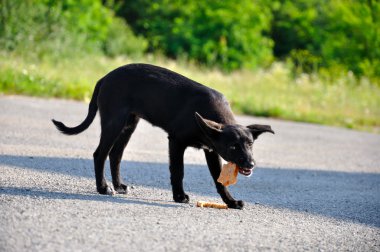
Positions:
{"x": 210, "y": 128}
{"x": 258, "y": 129}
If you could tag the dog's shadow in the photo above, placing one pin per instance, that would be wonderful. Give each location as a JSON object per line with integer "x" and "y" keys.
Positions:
{"x": 340, "y": 195}
{"x": 121, "y": 199}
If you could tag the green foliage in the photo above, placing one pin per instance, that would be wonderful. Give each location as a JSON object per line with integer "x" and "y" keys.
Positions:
{"x": 352, "y": 36}
{"x": 228, "y": 34}
{"x": 334, "y": 34}
{"x": 127, "y": 44}
{"x": 293, "y": 26}
{"x": 52, "y": 28}
{"x": 311, "y": 35}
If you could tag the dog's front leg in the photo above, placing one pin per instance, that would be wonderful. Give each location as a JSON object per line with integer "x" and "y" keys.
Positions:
{"x": 176, "y": 151}
{"x": 214, "y": 163}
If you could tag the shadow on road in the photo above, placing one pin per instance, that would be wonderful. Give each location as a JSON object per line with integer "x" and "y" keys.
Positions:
{"x": 341, "y": 195}
{"x": 34, "y": 192}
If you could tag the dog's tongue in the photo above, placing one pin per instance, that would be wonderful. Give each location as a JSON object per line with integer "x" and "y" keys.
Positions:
{"x": 244, "y": 171}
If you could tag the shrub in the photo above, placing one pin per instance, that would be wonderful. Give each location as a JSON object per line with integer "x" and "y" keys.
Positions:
{"x": 333, "y": 34}
{"x": 121, "y": 40}
{"x": 228, "y": 34}
{"x": 52, "y": 28}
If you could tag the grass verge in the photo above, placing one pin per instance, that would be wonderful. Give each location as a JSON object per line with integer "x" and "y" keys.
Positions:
{"x": 273, "y": 92}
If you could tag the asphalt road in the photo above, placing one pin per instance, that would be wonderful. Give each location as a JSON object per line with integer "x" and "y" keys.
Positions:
{"x": 315, "y": 188}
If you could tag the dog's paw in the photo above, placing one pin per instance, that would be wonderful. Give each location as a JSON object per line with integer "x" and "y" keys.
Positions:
{"x": 121, "y": 189}
{"x": 181, "y": 198}
{"x": 106, "y": 190}
{"x": 236, "y": 204}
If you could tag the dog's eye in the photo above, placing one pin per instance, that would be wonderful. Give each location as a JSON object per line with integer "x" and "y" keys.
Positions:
{"x": 250, "y": 144}
{"x": 234, "y": 147}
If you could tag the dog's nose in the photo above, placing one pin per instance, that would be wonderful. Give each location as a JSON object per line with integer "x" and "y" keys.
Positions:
{"x": 251, "y": 164}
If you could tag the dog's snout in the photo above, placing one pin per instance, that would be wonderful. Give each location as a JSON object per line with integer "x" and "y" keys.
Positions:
{"x": 248, "y": 164}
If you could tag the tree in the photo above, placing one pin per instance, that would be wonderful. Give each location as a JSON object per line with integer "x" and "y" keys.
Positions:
{"x": 228, "y": 34}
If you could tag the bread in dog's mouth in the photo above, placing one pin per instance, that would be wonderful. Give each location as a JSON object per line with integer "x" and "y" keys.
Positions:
{"x": 245, "y": 171}
{"x": 229, "y": 172}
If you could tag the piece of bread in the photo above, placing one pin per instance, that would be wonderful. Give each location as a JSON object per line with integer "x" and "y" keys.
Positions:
{"x": 211, "y": 204}
{"x": 228, "y": 175}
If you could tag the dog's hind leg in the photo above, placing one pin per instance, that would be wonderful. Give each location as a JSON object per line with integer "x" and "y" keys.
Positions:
{"x": 117, "y": 150}
{"x": 176, "y": 151}
{"x": 214, "y": 163}
{"x": 112, "y": 126}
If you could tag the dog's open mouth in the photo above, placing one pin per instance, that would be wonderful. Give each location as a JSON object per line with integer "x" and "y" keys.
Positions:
{"x": 245, "y": 171}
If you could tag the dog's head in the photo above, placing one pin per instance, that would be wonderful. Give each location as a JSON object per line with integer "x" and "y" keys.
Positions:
{"x": 233, "y": 142}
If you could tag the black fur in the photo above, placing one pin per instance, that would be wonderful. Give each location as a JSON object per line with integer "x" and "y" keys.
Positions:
{"x": 179, "y": 106}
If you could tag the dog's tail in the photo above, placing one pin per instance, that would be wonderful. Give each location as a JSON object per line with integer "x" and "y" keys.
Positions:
{"x": 92, "y": 109}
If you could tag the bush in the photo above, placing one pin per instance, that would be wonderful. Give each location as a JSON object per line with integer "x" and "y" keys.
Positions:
{"x": 121, "y": 40}
{"x": 52, "y": 28}
{"x": 228, "y": 34}
{"x": 331, "y": 34}
{"x": 352, "y": 36}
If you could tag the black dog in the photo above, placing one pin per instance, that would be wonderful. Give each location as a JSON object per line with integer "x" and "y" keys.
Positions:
{"x": 174, "y": 103}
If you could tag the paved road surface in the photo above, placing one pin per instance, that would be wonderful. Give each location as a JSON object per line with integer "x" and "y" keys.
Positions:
{"x": 316, "y": 188}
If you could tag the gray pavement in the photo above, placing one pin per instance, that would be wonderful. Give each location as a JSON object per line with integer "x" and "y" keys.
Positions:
{"x": 316, "y": 188}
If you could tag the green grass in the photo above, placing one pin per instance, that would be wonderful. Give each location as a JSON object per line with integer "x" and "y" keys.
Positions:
{"x": 272, "y": 92}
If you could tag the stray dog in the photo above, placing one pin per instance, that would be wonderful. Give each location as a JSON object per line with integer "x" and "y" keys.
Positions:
{"x": 191, "y": 113}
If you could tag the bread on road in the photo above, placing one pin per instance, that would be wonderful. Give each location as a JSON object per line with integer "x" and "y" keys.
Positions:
{"x": 211, "y": 205}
